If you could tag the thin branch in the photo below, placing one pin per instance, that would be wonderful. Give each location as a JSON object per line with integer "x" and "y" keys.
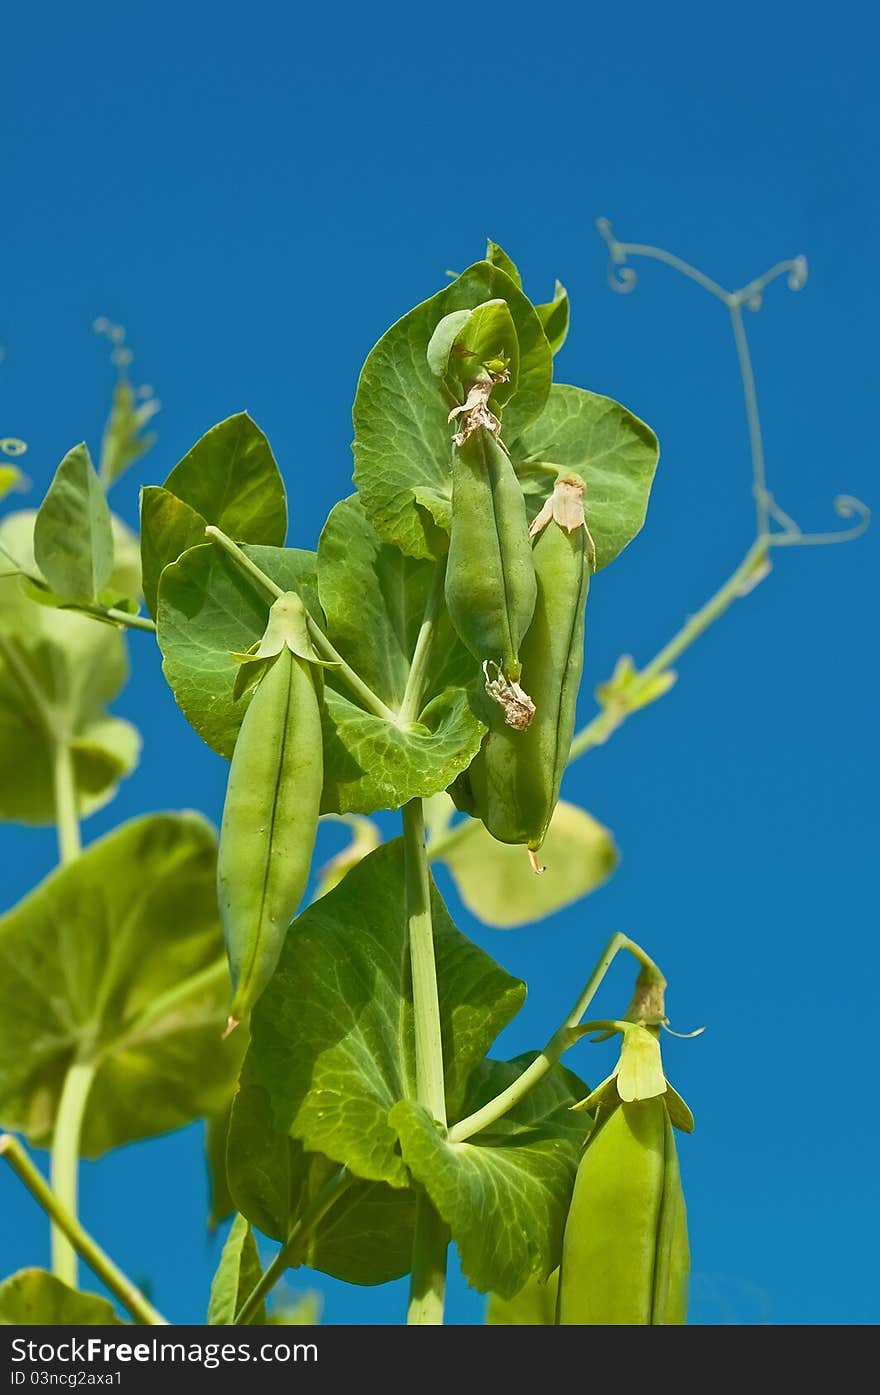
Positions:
{"x": 88, "y": 1249}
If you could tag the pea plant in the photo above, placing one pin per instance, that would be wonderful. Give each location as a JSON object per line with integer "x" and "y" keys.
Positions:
{"x": 426, "y": 658}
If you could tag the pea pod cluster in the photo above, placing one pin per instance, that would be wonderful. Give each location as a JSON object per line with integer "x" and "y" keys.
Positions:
{"x": 270, "y": 816}
{"x": 490, "y": 576}
{"x": 625, "y": 1256}
{"x": 515, "y": 778}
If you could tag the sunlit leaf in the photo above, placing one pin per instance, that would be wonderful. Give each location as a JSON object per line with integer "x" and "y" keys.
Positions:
{"x": 73, "y": 536}
{"x": 230, "y": 477}
{"x": 332, "y": 1036}
{"x": 496, "y": 881}
{"x": 612, "y": 451}
{"x": 403, "y": 445}
{"x": 117, "y": 958}
{"x": 35, "y": 1298}
{"x": 58, "y": 670}
{"x": 238, "y": 1272}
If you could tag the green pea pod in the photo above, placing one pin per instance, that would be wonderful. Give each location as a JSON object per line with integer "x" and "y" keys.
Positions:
{"x": 490, "y": 576}
{"x": 625, "y": 1256}
{"x": 515, "y": 777}
{"x": 270, "y": 817}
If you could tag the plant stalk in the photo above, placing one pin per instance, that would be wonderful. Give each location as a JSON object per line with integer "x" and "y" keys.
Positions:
{"x": 99, "y": 1262}
{"x": 415, "y": 682}
{"x": 292, "y": 1250}
{"x": 431, "y": 1237}
{"x": 66, "y": 813}
{"x": 64, "y": 1166}
{"x": 596, "y": 732}
{"x": 427, "y": 1290}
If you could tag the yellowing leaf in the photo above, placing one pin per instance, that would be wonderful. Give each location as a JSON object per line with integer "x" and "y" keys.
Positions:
{"x": 496, "y": 882}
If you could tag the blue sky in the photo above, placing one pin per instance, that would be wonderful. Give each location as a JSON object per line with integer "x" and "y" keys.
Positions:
{"x": 256, "y": 195}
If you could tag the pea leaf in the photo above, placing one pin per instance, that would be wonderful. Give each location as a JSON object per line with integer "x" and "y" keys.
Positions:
{"x": 73, "y": 536}
{"x": 366, "y": 1238}
{"x": 496, "y": 881}
{"x": 57, "y": 672}
{"x": 498, "y": 257}
{"x": 505, "y": 1192}
{"x": 614, "y": 452}
{"x": 208, "y": 610}
{"x": 533, "y": 1306}
{"x": 332, "y": 1034}
{"x": 554, "y": 316}
{"x": 220, "y": 1203}
{"x": 230, "y": 477}
{"x": 403, "y": 442}
{"x": 237, "y": 1273}
{"x": 11, "y": 478}
{"x": 168, "y": 528}
{"x": 303, "y": 1310}
{"x": 35, "y": 1298}
{"x": 125, "y": 440}
{"x": 118, "y": 957}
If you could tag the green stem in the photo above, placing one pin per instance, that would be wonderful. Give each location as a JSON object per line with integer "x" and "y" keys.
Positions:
{"x": 291, "y": 1252}
{"x": 66, "y": 813}
{"x": 415, "y": 682}
{"x": 565, "y": 1036}
{"x": 430, "y": 1088}
{"x": 742, "y": 579}
{"x": 431, "y": 1239}
{"x": 134, "y": 622}
{"x": 427, "y": 1288}
{"x": 244, "y": 562}
{"x": 98, "y": 1261}
{"x": 369, "y": 700}
{"x": 64, "y": 1166}
{"x": 750, "y": 397}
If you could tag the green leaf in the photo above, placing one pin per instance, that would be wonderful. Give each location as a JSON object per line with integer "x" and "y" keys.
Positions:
{"x": 365, "y": 836}
{"x": 374, "y": 599}
{"x": 238, "y": 1272}
{"x": 468, "y": 344}
{"x": 496, "y": 882}
{"x": 230, "y": 477}
{"x": 168, "y": 528}
{"x": 220, "y": 1203}
{"x": 614, "y": 452}
{"x": 505, "y": 1192}
{"x": 125, "y": 578}
{"x": 628, "y": 689}
{"x": 403, "y": 441}
{"x": 555, "y": 316}
{"x": 533, "y": 1306}
{"x": 117, "y": 958}
{"x": 332, "y": 1036}
{"x": 57, "y": 672}
{"x": 11, "y": 478}
{"x": 35, "y": 1298}
{"x": 498, "y": 257}
{"x": 73, "y": 536}
{"x": 304, "y": 1310}
{"x": 124, "y": 440}
{"x": 366, "y": 1238}
{"x": 208, "y": 610}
